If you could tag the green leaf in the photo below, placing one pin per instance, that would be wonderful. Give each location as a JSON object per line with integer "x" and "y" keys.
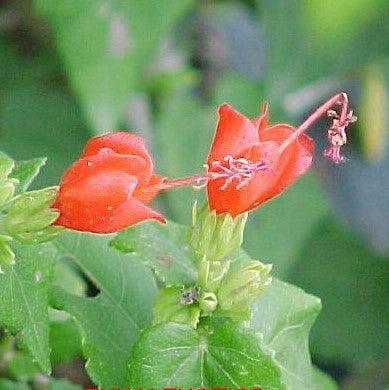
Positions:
{"x": 62, "y": 384}
{"x": 354, "y": 286}
{"x": 65, "y": 341}
{"x": 283, "y": 316}
{"x": 21, "y": 367}
{"x": 323, "y": 381}
{"x": 6, "y": 384}
{"x": 109, "y": 323}
{"x": 227, "y": 355}
{"x": 115, "y": 41}
{"x": 24, "y": 299}
{"x": 165, "y": 249}
{"x": 26, "y": 171}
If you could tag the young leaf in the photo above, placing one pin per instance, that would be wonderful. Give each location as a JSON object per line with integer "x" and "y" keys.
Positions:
{"x": 165, "y": 249}
{"x": 24, "y": 299}
{"x": 26, "y": 171}
{"x": 175, "y": 355}
{"x": 110, "y": 322}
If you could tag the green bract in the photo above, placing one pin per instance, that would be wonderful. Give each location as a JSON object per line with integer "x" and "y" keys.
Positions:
{"x": 216, "y": 236}
{"x": 29, "y": 216}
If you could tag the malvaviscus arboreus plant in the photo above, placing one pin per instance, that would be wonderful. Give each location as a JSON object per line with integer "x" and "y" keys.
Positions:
{"x": 178, "y": 306}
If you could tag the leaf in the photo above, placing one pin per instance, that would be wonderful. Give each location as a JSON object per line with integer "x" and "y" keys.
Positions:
{"x": 107, "y": 58}
{"x": 109, "y": 323}
{"x": 354, "y": 286}
{"x": 283, "y": 316}
{"x": 174, "y": 355}
{"x": 65, "y": 341}
{"x": 6, "y": 384}
{"x": 62, "y": 384}
{"x": 21, "y": 367}
{"x": 26, "y": 171}
{"x": 323, "y": 381}
{"x": 165, "y": 249}
{"x": 24, "y": 292}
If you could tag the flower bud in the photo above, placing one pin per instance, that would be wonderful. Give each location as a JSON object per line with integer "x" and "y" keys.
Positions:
{"x": 207, "y": 303}
{"x": 29, "y": 216}
{"x": 211, "y": 273}
{"x": 173, "y": 304}
{"x": 216, "y": 236}
{"x": 240, "y": 287}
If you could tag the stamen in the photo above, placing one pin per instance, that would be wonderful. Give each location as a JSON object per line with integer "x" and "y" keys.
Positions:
{"x": 241, "y": 170}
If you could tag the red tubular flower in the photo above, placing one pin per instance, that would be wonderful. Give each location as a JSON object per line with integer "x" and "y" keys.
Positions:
{"x": 247, "y": 153}
{"x": 107, "y": 188}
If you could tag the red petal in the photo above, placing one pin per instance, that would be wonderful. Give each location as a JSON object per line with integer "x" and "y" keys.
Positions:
{"x": 262, "y": 122}
{"x": 106, "y": 159}
{"x": 102, "y": 203}
{"x": 146, "y": 194}
{"x": 236, "y": 201}
{"x": 234, "y": 134}
{"x": 293, "y": 162}
{"x": 120, "y": 142}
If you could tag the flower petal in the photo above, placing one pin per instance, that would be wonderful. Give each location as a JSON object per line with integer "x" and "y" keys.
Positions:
{"x": 146, "y": 194}
{"x": 293, "y": 162}
{"x": 120, "y": 142}
{"x": 262, "y": 122}
{"x": 233, "y": 135}
{"x": 236, "y": 201}
{"x": 106, "y": 159}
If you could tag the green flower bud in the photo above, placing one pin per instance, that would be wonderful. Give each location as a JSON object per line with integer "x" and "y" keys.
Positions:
{"x": 240, "y": 287}
{"x": 173, "y": 304}
{"x": 216, "y": 236}
{"x": 211, "y": 273}
{"x": 207, "y": 302}
{"x": 7, "y": 257}
{"x": 29, "y": 216}
{"x": 7, "y": 190}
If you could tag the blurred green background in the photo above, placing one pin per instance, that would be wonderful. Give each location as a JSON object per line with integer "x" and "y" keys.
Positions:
{"x": 70, "y": 69}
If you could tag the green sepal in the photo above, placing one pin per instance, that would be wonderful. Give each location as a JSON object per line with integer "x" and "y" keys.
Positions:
{"x": 216, "y": 236}
{"x": 29, "y": 218}
{"x": 168, "y": 307}
{"x": 211, "y": 273}
{"x": 240, "y": 287}
{"x": 7, "y": 256}
{"x": 7, "y": 185}
{"x": 6, "y": 166}
{"x": 32, "y": 202}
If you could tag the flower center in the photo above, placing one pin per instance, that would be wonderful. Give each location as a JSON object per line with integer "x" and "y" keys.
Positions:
{"x": 239, "y": 169}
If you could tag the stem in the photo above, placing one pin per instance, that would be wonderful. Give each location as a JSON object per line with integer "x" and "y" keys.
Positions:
{"x": 340, "y": 98}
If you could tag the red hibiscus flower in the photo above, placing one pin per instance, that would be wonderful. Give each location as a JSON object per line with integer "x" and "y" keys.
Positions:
{"x": 108, "y": 188}
{"x": 247, "y": 165}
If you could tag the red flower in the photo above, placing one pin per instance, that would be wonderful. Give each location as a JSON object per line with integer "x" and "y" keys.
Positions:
{"x": 107, "y": 188}
{"x": 248, "y": 166}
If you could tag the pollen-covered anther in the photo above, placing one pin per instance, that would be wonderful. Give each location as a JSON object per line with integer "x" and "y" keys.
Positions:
{"x": 239, "y": 169}
{"x": 337, "y": 136}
